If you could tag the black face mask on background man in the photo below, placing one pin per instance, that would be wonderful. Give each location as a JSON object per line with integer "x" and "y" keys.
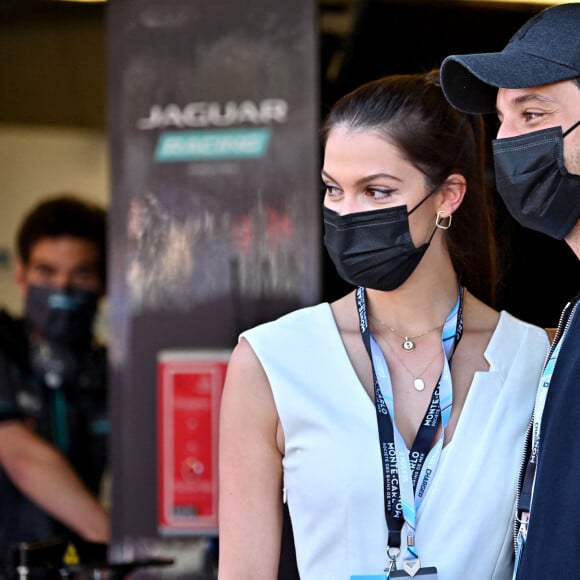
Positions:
{"x": 534, "y": 184}
{"x": 63, "y": 316}
{"x": 373, "y": 248}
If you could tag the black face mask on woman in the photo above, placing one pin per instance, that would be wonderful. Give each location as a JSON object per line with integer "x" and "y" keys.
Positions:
{"x": 534, "y": 184}
{"x": 373, "y": 248}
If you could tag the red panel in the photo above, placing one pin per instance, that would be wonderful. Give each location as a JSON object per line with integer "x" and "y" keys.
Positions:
{"x": 189, "y": 391}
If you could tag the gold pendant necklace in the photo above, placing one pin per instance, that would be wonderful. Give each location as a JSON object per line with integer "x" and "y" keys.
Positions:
{"x": 408, "y": 343}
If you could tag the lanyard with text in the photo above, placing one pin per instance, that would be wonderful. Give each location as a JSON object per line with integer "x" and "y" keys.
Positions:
{"x": 407, "y": 474}
{"x": 526, "y": 494}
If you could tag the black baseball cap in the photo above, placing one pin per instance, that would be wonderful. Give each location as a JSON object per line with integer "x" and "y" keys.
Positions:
{"x": 545, "y": 50}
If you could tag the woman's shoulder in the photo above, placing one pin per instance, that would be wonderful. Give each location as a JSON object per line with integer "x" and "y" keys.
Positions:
{"x": 511, "y": 325}
{"x": 306, "y": 328}
{"x": 479, "y": 317}
{"x": 485, "y": 318}
{"x": 502, "y": 332}
{"x": 306, "y": 316}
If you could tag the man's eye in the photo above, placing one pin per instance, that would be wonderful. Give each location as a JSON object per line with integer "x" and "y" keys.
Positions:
{"x": 45, "y": 270}
{"x": 532, "y": 115}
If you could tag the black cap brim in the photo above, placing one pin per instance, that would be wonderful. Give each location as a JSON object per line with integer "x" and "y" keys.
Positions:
{"x": 470, "y": 81}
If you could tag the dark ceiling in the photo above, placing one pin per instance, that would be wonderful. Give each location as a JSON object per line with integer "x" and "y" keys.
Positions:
{"x": 53, "y": 72}
{"x": 53, "y": 53}
{"x": 53, "y": 63}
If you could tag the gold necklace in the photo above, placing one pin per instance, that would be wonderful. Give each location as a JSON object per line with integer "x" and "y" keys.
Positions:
{"x": 418, "y": 382}
{"x": 408, "y": 343}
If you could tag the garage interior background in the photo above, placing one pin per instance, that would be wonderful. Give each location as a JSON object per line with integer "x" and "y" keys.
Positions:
{"x": 53, "y": 113}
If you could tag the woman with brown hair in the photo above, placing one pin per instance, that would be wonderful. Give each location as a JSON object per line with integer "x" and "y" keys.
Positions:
{"x": 390, "y": 421}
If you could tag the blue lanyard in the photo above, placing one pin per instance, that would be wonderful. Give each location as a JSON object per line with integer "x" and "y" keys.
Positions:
{"x": 408, "y": 474}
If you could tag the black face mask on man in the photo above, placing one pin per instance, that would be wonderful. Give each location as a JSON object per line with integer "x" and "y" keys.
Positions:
{"x": 63, "y": 316}
{"x": 374, "y": 248}
{"x": 533, "y": 182}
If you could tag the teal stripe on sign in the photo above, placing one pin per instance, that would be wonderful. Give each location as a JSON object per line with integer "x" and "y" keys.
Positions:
{"x": 212, "y": 144}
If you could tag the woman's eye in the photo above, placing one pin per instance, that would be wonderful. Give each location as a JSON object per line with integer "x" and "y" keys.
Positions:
{"x": 330, "y": 190}
{"x": 379, "y": 192}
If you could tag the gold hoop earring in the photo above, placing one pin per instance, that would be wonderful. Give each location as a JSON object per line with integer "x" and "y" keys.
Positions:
{"x": 439, "y": 223}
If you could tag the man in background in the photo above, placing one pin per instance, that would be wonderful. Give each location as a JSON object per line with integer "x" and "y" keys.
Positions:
{"x": 534, "y": 87}
{"x": 53, "y": 406}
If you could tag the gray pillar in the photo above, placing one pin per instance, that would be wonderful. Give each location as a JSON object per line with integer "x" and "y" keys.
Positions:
{"x": 215, "y": 209}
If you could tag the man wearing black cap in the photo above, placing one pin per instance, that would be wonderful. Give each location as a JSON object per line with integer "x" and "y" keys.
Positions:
{"x": 534, "y": 86}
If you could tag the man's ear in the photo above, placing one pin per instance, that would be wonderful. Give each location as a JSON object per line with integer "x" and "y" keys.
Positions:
{"x": 452, "y": 193}
{"x": 20, "y": 276}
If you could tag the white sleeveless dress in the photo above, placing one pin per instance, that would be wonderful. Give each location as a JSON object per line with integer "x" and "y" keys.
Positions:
{"x": 332, "y": 464}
